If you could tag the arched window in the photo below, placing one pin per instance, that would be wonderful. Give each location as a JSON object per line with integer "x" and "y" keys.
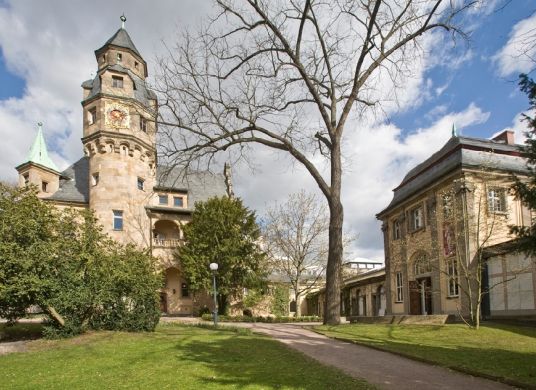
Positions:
{"x": 422, "y": 263}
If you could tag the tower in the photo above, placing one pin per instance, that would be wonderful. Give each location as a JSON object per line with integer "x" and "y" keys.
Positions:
{"x": 119, "y": 139}
{"x": 39, "y": 169}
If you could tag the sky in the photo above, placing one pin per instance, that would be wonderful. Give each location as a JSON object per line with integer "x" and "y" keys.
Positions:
{"x": 47, "y": 51}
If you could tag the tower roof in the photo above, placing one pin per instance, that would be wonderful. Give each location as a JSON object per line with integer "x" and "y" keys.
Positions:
{"x": 38, "y": 152}
{"x": 120, "y": 39}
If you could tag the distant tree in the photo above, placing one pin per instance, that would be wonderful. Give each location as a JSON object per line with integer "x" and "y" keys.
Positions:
{"x": 62, "y": 262}
{"x": 525, "y": 188}
{"x": 225, "y": 232}
{"x": 296, "y": 235}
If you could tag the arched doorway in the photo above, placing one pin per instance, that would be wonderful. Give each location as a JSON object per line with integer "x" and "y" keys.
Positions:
{"x": 420, "y": 289}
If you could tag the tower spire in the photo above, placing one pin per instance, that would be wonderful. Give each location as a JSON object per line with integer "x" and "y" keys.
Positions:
{"x": 454, "y": 130}
{"x": 38, "y": 152}
{"x": 123, "y": 20}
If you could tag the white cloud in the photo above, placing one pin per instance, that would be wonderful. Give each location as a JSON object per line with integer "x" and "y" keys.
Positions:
{"x": 51, "y": 46}
{"x": 518, "y": 55}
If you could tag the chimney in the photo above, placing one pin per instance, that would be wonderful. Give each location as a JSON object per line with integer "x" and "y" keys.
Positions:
{"x": 507, "y": 137}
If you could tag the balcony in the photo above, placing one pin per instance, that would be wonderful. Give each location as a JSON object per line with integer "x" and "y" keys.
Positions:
{"x": 167, "y": 243}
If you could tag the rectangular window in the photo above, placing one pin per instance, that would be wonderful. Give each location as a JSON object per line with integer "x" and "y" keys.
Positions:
{"x": 95, "y": 179}
{"x": 184, "y": 290}
{"x": 118, "y": 219}
{"x": 417, "y": 219}
{"x": 136, "y": 64}
{"x": 44, "y": 186}
{"x": 140, "y": 183}
{"x": 143, "y": 124}
{"x": 496, "y": 200}
{"x": 26, "y": 179}
{"x": 399, "y": 287}
{"x": 396, "y": 230}
{"x": 92, "y": 115}
{"x": 117, "y": 82}
{"x": 177, "y": 201}
{"x": 162, "y": 199}
{"x": 119, "y": 57}
{"x": 452, "y": 270}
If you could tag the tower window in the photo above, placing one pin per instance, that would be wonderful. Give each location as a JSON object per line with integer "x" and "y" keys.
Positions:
{"x": 44, "y": 186}
{"x": 26, "y": 179}
{"x": 143, "y": 124}
{"x": 162, "y": 199}
{"x": 92, "y": 115}
{"x": 117, "y": 82}
{"x": 136, "y": 64}
{"x": 140, "y": 183}
{"x": 177, "y": 201}
{"x": 119, "y": 57}
{"x": 95, "y": 179}
{"x": 118, "y": 219}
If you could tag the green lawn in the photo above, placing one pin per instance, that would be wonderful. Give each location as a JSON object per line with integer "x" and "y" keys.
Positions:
{"x": 173, "y": 357}
{"x": 501, "y": 351}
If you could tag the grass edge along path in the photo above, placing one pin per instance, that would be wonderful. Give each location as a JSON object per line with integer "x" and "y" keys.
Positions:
{"x": 174, "y": 356}
{"x": 397, "y": 340}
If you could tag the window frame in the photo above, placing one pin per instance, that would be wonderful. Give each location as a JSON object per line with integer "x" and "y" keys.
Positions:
{"x": 175, "y": 198}
{"x": 397, "y": 231}
{"x": 453, "y": 286}
{"x": 140, "y": 184}
{"x": 399, "y": 287}
{"x": 413, "y": 213}
{"x": 44, "y": 186}
{"x": 117, "y": 82}
{"x": 119, "y": 57}
{"x": 95, "y": 179}
{"x": 26, "y": 178}
{"x": 185, "y": 288}
{"x": 92, "y": 115}
{"x": 498, "y": 199}
{"x": 161, "y": 197}
{"x": 143, "y": 124}
{"x": 118, "y": 222}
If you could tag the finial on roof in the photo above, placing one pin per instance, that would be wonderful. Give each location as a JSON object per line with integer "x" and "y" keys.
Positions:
{"x": 454, "y": 130}
{"x": 123, "y": 20}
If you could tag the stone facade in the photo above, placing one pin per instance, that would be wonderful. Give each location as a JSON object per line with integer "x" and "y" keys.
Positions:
{"x": 135, "y": 200}
{"x": 445, "y": 212}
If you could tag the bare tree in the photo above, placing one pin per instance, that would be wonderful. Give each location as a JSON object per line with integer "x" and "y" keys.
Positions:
{"x": 296, "y": 234}
{"x": 288, "y": 75}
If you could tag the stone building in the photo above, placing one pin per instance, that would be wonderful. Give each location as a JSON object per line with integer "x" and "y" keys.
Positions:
{"x": 136, "y": 200}
{"x": 448, "y": 215}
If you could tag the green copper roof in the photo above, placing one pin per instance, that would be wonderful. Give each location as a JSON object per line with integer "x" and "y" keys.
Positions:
{"x": 38, "y": 152}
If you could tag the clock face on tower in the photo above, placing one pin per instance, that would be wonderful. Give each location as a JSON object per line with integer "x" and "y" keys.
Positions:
{"x": 117, "y": 116}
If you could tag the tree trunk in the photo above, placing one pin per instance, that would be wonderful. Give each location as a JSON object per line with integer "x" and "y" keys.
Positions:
{"x": 53, "y": 314}
{"x": 298, "y": 304}
{"x": 332, "y": 314}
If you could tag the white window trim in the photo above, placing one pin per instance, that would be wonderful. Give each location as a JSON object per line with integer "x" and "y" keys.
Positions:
{"x": 399, "y": 287}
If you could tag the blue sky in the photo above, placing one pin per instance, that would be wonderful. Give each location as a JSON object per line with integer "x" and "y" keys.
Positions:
{"x": 477, "y": 79}
{"x": 46, "y": 52}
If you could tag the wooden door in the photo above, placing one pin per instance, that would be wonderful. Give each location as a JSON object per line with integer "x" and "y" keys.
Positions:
{"x": 414, "y": 298}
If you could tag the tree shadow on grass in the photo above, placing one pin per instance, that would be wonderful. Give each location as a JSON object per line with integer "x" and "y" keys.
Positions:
{"x": 247, "y": 360}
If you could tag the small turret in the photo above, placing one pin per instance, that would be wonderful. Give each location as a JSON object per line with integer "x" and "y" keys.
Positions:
{"x": 39, "y": 169}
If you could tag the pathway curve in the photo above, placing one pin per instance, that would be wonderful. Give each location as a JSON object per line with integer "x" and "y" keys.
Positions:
{"x": 383, "y": 369}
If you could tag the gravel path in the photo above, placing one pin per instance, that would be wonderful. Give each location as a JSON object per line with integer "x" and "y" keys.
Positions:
{"x": 383, "y": 369}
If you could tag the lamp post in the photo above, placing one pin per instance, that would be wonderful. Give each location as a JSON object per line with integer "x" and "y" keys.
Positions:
{"x": 214, "y": 269}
